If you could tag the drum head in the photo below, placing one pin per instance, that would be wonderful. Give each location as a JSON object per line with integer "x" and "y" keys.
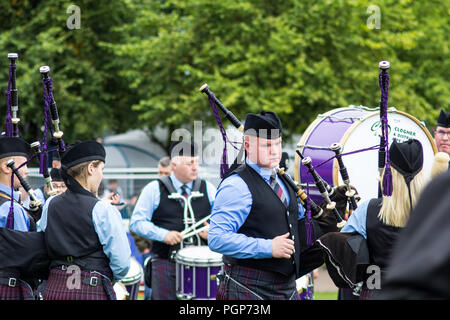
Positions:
{"x": 356, "y": 129}
{"x": 199, "y": 256}
{"x": 134, "y": 274}
{"x": 363, "y": 167}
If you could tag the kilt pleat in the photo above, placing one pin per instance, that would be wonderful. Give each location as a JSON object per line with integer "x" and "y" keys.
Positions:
{"x": 22, "y": 291}
{"x": 60, "y": 287}
{"x": 253, "y": 284}
{"x": 163, "y": 279}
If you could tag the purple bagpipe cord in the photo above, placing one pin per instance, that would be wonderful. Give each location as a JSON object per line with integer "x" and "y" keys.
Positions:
{"x": 310, "y": 234}
{"x": 10, "y": 218}
{"x": 383, "y": 80}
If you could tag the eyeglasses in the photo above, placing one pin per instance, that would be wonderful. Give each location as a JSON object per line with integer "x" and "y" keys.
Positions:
{"x": 442, "y": 133}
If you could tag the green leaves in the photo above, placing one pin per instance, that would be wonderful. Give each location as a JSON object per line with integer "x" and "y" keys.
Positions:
{"x": 140, "y": 63}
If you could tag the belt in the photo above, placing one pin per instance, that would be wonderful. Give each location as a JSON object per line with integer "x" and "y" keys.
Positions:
{"x": 11, "y": 282}
{"x": 94, "y": 280}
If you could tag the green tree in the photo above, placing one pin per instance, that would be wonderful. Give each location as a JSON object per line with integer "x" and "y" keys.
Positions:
{"x": 90, "y": 97}
{"x": 298, "y": 58}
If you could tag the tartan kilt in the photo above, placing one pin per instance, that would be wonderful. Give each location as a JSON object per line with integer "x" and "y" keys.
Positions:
{"x": 264, "y": 285}
{"x": 22, "y": 291}
{"x": 57, "y": 286}
{"x": 163, "y": 279}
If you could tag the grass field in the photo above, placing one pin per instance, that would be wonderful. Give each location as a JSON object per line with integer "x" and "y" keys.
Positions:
{"x": 325, "y": 295}
{"x": 317, "y": 296}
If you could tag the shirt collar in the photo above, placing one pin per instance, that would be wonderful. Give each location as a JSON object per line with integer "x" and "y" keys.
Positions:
{"x": 263, "y": 172}
{"x": 7, "y": 190}
{"x": 177, "y": 183}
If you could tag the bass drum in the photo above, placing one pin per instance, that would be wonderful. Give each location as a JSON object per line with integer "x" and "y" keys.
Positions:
{"x": 355, "y": 128}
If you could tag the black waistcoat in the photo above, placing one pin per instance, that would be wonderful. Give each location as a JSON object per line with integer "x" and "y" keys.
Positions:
{"x": 23, "y": 253}
{"x": 70, "y": 234}
{"x": 169, "y": 215}
{"x": 268, "y": 218}
{"x": 380, "y": 237}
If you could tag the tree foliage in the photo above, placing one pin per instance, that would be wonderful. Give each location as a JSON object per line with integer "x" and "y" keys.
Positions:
{"x": 140, "y": 63}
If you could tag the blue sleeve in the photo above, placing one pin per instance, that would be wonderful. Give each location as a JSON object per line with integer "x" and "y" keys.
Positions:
{"x": 113, "y": 237}
{"x": 301, "y": 210}
{"x": 39, "y": 195}
{"x": 211, "y": 190}
{"x": 141, "y": 220}
{"x": 41, "y": 225}
{"x": 231, "y": 207}
{"x": 357, "y": 220}
{"x": 21, "y": 218}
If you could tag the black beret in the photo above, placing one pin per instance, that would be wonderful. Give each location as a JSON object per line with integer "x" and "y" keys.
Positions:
{"x": 406, "y": 158}
{"x": 265, "y": 125}
{"x": 444, "y": 119}
{"x": 82, "y": 152}
{"x": 183, "y": 148}
{"x": 13, "y": 146}
{"x": 55, "y": 174}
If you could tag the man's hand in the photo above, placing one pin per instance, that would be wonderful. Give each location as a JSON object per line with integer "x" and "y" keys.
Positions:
{"x": 282, "y": 246}
{"x": 204, "y": 233}
{"x": 173, "y": 237}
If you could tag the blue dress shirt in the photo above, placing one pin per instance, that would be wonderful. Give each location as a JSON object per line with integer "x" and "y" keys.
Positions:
{"x": 21, "y": 218}
{"x": 148, "y": 202}
{"x": 231, "y": 208}
{"x": 111, "y": 233}
{"x": 357, "y": 220}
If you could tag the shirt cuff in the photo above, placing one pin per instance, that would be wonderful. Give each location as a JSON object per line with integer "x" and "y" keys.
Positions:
{"x": 265, "y": 246}
{"x": 160, "y": 234}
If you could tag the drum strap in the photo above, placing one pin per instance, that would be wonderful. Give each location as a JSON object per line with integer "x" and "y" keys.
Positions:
{"x": 165, "y": 180}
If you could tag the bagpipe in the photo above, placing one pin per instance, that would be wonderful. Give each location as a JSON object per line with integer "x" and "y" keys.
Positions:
{"x": 328, "y": 220}
{"x": 31, "y": 260}
{"x": 39, "y": 148}
{"x": 346, "y": 254}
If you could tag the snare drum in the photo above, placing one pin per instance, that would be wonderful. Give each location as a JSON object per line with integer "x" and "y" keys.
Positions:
{"x": 356, "y": 128}
{"x": 132, "y": 280}
{"x": 196, "y": 273}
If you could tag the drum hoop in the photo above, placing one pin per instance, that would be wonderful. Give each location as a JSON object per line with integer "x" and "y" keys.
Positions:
{"x": 307, "y": 134}
{"x": 350, "y": 129}
{"x": 213, "y": 261}
{"x": 191, "y": 263}
{"x": 132, "y": 280}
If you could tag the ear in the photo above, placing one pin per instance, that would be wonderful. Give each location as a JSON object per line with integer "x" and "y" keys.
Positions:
{"x": 246, "y": 143}
{"x": 90, "y": 168}
{"x": 4, "y": 168}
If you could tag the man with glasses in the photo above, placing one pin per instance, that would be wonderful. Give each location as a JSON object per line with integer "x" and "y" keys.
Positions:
{"x": 442, "y": 133}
